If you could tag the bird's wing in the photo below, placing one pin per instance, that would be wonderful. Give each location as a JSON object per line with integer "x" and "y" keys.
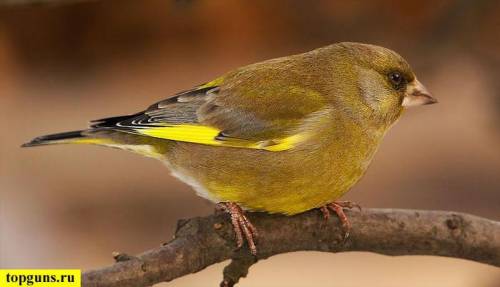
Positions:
{"x": 212, "y": 115}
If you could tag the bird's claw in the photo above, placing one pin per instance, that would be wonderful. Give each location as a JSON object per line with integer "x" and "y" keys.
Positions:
{"x": 242, "y": 227}
{"x": 338, "y": 208}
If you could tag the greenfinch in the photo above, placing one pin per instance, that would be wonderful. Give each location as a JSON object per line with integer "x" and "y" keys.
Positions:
{"x": 281, "y": 136}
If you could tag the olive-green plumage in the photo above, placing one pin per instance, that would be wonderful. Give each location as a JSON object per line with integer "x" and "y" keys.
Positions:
{"x": 281, "y": 136}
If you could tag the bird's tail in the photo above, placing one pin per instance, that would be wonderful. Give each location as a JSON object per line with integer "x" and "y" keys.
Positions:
{"x": 74, "y": 137}
{"x": 142, "y": 145}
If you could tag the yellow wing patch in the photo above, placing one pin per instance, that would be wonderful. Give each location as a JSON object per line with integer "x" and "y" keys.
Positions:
{"x": 212, "y": 84}
{"x": 207, "y": 135}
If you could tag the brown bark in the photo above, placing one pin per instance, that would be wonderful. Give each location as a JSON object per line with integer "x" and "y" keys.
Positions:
{"x": 201, "y": 242}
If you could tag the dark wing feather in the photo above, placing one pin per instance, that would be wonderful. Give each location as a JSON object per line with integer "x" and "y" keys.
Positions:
{"x": 178, "y": 109}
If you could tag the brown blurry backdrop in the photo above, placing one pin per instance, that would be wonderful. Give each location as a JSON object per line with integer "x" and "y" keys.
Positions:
{"x": 71, "y": 206}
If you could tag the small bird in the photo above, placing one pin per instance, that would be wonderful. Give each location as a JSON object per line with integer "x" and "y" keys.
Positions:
{"x": 281, "y": 136}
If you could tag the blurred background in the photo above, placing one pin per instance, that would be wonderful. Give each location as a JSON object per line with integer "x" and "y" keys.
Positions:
{"x": 63, "y": 63}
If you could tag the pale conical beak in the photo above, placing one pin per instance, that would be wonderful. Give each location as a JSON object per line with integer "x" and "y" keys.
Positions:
{"x": 417, "y": 95}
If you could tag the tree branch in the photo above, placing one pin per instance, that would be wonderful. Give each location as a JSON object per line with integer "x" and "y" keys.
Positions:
{"x": 203, "y": 241}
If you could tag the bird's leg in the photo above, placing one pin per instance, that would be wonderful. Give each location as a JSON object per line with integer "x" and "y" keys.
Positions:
{"x": 241, "y": 225}
{"x": 338, "y": 208}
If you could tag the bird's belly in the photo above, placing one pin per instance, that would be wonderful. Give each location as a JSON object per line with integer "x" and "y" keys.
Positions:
{"x": 276, "y": 183}
{"x": 287, "y": 196}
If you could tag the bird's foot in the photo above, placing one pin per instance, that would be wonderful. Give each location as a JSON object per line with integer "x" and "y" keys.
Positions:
{"x": 338, "y": 208}
{"x": 241, "y": 225}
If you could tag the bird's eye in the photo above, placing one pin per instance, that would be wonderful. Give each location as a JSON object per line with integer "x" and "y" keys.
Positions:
{"x": 396, "y": 79}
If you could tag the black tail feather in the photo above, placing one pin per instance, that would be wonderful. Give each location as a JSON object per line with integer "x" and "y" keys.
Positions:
{"x": 53, "y": 138}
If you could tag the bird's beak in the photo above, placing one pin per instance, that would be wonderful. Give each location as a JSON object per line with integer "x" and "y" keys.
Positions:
{"x": 417, "y": 95}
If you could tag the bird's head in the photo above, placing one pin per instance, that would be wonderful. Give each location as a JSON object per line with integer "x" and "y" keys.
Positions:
{"x": 385, "y": 81}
